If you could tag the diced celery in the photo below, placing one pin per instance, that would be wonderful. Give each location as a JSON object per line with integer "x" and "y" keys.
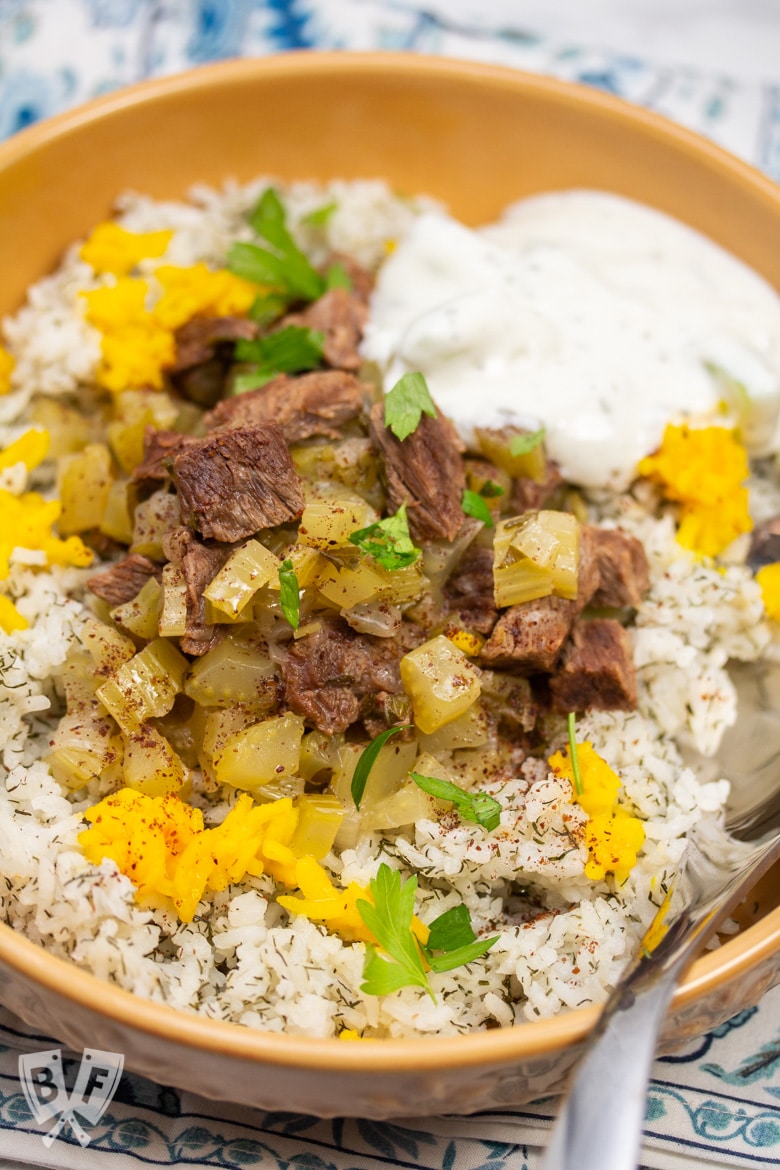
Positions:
{"x": 146, "y": 686}
{"x": 135, "y": 410}
{"x": 471, "y": 729}
{"x": 440, "y": 681}
{"x": 344, "y": 587}
{"x": 287, "y": 787}
{"x": 407, "y": 806}
{"x": 84, "y": 747}
{"x": 150, "y": 763}
{"x": 109, "y": 648}
{"x": 234, "y": 671}
{"x": 319, "y": 819}
{"x": 68, "y": 428}
{"x": 319, "y": 752}
{"x": 244, "y": 572}
{"x": 85, "y": 481}
{"x": 152, "y": 519}
{"x": 263, "y": 752}
{"x": 395, "y": 760}
{"x": 116, "y": 521}
{"x": 496, "y": 446}
{"x": 141, "y": 615}
{"x": 327, "y": 523}
{"x": 536, "y": 555}
{"x": 173, "y": 614}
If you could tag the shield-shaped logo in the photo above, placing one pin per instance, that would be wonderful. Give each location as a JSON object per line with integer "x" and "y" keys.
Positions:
{"x": 43, "y": 1083}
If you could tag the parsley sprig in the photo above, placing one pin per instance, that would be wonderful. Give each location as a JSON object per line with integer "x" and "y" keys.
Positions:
{"x": 278, "y": 263}
{"x": 289, "y": 593}
{"x": 473, "y": 504}
{"x": 477, "y": 807}
{"x": 366, "y": 762}
{"x": 573, "y": 754}
{"x": 288, "y": 351}
{"x": 406, "y": 403}
{"x": 523, "y": 444}
{"x": 388, "y": 541}
{"x": 451, "y": 941}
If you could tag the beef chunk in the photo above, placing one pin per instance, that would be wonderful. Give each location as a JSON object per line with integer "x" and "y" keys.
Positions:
{"x": 623, "y": 571}
{"x": 596, "y": 670}
{"x": 361, "y": 279}
{"x": 160, "y": 448}
{"x": 199, "y": 563}
{"x": 765, "y": 544}
{"x": 204, "y": 353}
{"x": 333, "y": 675}
{"x": 124, "y": 580}
{"x": 529, "y": 637}
{"x": 341, "y": 317}
{"x": 469, "y": 591}
{"x": 425, "y": 471}
{"x": 234, "y": 483}
{"x": 529, "y": 495}
{"x": 311, "y": 404}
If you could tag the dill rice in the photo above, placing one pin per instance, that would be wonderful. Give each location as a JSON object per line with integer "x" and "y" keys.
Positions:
{"x": 253, "y": 929}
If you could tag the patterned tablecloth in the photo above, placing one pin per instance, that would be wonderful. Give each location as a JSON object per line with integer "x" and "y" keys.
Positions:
{"x": 709, "y": 65}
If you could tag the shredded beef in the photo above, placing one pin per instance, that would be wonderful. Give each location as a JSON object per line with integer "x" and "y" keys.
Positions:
{"x": 596, "y": 669}
{"x": 624, "y": 575}
{"x": 361, "y": 279}
{"x": 765, "y": 544}
{"x": 204, "y": 353}
{"x": 529, "y": 637}
{"x": 530, "y": 495}
{"x": 425, "y": 471}
{"x": 124, "y": 580}
{"x": 311, "y": 404}
{"x": 236, "y": 482}
{"x": 469, "y": 591}
{"x": 199, "y": 563}
{"x": 342, "y": 318}
{"x": 332, "y": 675}
{"x": 160, "y": 448}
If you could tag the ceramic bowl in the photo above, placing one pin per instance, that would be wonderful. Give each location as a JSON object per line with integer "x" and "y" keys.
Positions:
{"x": 477, "y": 137}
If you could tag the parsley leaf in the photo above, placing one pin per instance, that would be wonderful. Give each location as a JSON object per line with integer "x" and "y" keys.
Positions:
{"x": 321, "y": 215}
{"x": 462, "y": 955}
{"x": 288, "y": 351}
{"x": 573, "y": 754}
{"x": 388, "y": 541}
{"x": 267, "y": 308}
{"x": 491, "y": 490}
{"x": 289, "y": 594}
{"x": 280, "y": 264}
{"x": 406, "y": 403}
{"x": 453, "y": 933}
{"x": 450, "y": 930}
{"x": 366, "y": 763}
{"x": 477, "y": 807}
{"x": 522, "y": 444}
{"x": 390, "y": 921}
{"x": 338, "y": 277}
{"x": 473, "y": 504}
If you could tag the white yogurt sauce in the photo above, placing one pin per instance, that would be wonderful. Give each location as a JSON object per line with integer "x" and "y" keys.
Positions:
{"x": 586, "y": 313}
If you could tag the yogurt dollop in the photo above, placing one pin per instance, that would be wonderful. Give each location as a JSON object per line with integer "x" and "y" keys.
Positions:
{"x": 583, "y": 312}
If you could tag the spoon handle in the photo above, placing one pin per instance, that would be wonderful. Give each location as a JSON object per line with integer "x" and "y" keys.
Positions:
{"x": 600, "y": 1124}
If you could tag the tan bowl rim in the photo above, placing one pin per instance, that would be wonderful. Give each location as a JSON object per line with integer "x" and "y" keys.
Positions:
{"x": 189, "y": 1030}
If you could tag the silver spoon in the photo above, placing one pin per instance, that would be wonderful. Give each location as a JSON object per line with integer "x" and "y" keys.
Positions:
{"x": 600, "y": 1123}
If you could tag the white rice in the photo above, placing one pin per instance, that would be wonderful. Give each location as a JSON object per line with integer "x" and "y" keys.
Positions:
{"x": 242, "y": 959}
